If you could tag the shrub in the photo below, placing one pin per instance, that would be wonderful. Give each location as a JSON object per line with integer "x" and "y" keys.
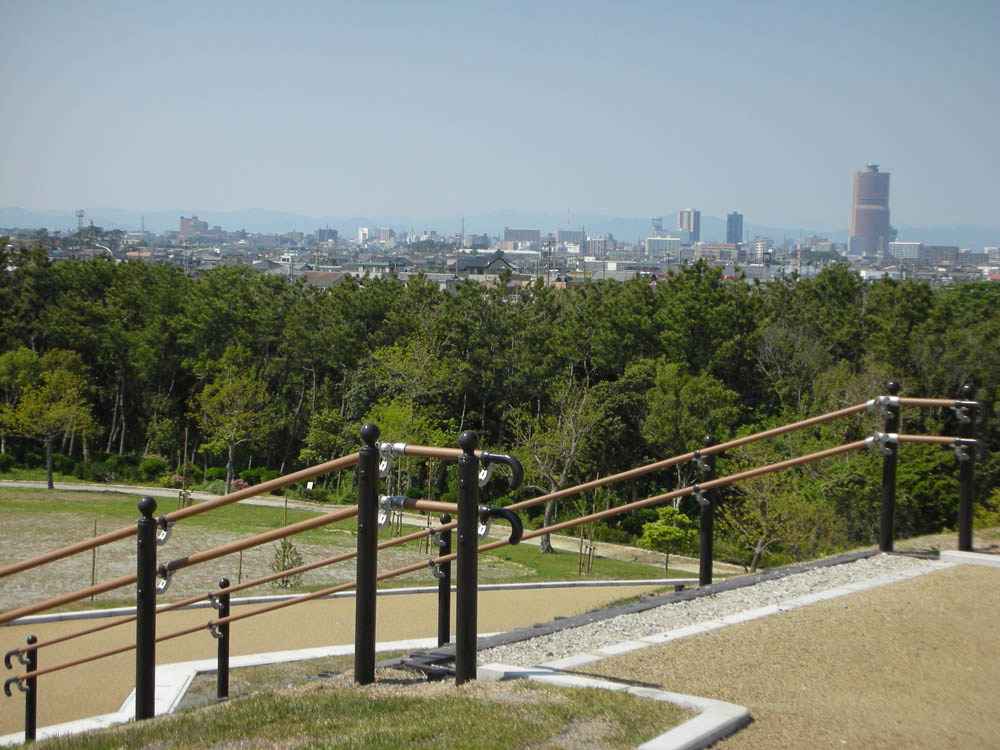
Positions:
{"x": 286, "y": 557}
{"x": 33, "y": 460}
{"x": 215, "y": 486}
{"x": 122, "y": 467}
{"x": 151, "y": 468}
{"x": 238, "y": 484}
{"x": 215, "y": 472}
{"x": 614, "y": 536}
{"x": 92, "y": 471}
{"x": 268, "y": 474}
{"x": 6, "y": 462}
{"x": 252, "y": 476}
{"x": 62, "y": 464}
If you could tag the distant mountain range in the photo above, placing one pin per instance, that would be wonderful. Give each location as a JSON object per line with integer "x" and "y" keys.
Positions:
{"x": 713, "y": 229}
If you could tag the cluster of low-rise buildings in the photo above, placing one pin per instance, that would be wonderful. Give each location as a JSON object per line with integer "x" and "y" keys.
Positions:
{"x": 325, "y": 257}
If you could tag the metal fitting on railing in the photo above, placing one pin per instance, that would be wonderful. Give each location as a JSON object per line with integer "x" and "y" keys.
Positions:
{"x": 485, "y": 472}
{"x": 386, "y": 505}
{"x": 516, "y": 527}
{"x": 699, "y": 495}
{"x": 882, "y": 403}
{"x": 881, "y": 440}
{"x": 963, "y": 448}
{"x": 386, "y": 451}
{"x": 516, "y": 470}
{"x": 700, "y": 461}
{"x": 166, "y": 576}
{"x": 20, "y": 686}
{"x": 166, "y": 528}
{"x": 961, "y": 410}
{"x": 436, "y": 570}
{"x": 14, "y": 652}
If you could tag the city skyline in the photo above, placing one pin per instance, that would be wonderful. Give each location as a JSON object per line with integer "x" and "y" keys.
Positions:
{"x": 447, "y": 109}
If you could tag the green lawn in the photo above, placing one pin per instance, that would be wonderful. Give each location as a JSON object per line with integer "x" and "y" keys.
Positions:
{"x": 329, "y": 714}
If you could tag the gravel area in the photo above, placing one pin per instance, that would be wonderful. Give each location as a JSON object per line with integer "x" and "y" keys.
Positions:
{"x": 553, "y": 646}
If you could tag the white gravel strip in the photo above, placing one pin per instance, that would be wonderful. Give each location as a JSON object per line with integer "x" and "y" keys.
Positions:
{"x": 768, "y": 597}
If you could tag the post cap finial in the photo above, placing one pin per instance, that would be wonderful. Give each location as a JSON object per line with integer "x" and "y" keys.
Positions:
{"x": 893, "y": 387}
{"x": 968, "y": 391}
{"x": 468, "y": 441}
{"x": 147, "y": 506}
{"x": 708, "y": 441}
{"x": 369, "y": 432}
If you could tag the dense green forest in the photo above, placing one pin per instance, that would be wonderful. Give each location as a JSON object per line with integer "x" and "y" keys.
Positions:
{"x": 116, "y": 367}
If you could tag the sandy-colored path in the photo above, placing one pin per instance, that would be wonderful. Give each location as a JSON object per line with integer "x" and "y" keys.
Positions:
{"x": 913, "y": 664}
{"x": 101, "y": 687}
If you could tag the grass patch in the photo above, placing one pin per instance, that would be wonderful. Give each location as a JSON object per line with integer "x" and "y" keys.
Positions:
{"x": 401, "y": 712}
{"x": 282, "y": 675}
{"x": 563, "y": 566}
{"x": 116, "y": 510}
{"x": 21, "y": 474}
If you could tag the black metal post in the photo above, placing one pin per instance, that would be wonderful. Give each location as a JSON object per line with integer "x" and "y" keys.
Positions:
{"x": 444, "y": 586}
{"x": 31, "y": 692}
{"x": 707, "y": 527}
{"x": 222, "y": 652}
{"x": 466, "y": 600}
{"x": 145, "y": 611}
{"x": 967, "y": 474}
{"x": 364, "y": 619}
{"x": 887, "y": 513}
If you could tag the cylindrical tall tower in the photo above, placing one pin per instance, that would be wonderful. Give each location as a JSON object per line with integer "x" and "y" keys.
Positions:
{"x": 870, "y": 216}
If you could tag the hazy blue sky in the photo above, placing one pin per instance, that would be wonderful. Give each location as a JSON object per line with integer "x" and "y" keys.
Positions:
{"x": 432, "y": 108}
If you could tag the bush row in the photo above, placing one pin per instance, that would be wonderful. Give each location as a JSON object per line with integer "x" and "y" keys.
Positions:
{"x": 107, "y": 467}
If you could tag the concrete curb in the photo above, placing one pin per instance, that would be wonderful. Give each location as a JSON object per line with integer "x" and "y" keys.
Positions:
{"x": 970, "y": 558}
{"x": 715, "y": 719}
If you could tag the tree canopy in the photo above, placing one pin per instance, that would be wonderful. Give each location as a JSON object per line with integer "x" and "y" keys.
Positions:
{"x": 580, "y": 382}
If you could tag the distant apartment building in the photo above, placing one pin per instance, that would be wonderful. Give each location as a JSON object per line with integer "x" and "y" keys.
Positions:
{"x": 939, "y": 253}
{"x": 734, "y": 227}
{"x": 870, "y": 213}
{"x": 905, "y": 250}
{"x": 564, "y": 236}
{"x": 689, "y": 220}
{"x": 192, "y": 227}
{"x": 600, "y": 245}
{"x": 716, "y": 250}
{"x": 521, "y": 235}
{"x": 663, "y": 245}
{"x": 763, "y": 249}
{"x": 326, "y": 235}
{"x": 385, "y": 234}
{"x": 363, "y": 234}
